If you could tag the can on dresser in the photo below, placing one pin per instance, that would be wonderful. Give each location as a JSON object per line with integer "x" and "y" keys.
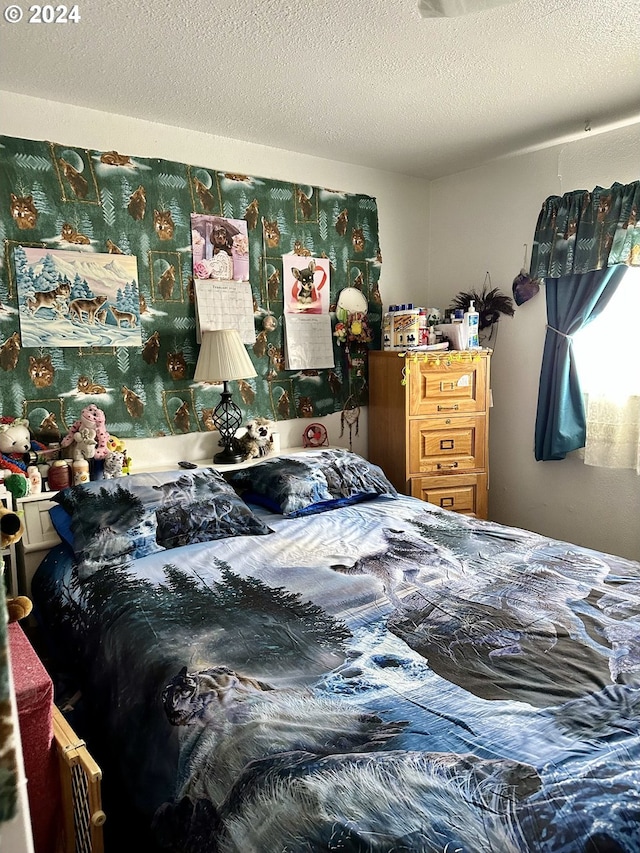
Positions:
{"x": 59, "y": 475}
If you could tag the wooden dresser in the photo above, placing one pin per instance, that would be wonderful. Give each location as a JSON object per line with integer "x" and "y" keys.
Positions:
{"x": 430, "y": 433}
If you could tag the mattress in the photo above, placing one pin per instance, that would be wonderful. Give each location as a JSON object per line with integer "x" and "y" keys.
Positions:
{"x": 379, "y": 676}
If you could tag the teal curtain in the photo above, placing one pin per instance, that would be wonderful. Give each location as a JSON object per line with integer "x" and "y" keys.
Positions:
{"x": 587, "y": 230}
{"x": 572, "y": 302}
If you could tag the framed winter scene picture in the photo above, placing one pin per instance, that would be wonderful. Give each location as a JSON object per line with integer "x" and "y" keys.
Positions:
{"x": 75, "y": 299}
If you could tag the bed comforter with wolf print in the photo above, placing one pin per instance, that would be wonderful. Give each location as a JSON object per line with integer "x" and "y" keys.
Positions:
{"x": 382, "y": 677}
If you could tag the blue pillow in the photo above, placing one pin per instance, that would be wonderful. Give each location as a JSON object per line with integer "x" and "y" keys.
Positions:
{"x": 306, "y": 483}
{"x": 61, "y": 521}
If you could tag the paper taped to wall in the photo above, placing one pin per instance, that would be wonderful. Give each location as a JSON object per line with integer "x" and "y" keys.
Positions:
{"x": 224, "y": 305}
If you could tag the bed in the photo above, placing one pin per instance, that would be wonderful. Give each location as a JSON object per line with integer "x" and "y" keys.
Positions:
{"x": 303, "y": 660}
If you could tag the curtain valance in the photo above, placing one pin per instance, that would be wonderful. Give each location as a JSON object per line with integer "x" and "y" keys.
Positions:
{"x": 582, "y": 231}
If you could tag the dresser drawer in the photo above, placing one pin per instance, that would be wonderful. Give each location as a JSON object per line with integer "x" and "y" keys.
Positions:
{"x": 442, "y": 445}
{"x": 464, "y": 493}
{"x": 452, "y": 387}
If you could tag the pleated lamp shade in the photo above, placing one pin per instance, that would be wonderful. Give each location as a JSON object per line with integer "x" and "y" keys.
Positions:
{"x": 223, "y": 356}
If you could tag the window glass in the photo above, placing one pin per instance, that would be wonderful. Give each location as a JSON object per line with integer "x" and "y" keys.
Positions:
{"x": 608, "y": 349}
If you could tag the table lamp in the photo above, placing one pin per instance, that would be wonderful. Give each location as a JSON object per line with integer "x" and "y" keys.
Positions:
{"x": 224, "y": 357}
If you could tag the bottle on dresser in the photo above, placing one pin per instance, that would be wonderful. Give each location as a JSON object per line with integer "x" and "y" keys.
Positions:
{"x": 35, "y": 480}
{"x": 387, "y": 327}
{"x": 80, "y": 469}
{"x": 471, "y": 324}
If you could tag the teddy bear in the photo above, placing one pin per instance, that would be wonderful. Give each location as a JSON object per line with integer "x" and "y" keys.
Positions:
{"x": 15, "y": 441}
{"x": 258, "y": 439}
{"x": 91, "y": 430}
{"x": 18, "y": 608}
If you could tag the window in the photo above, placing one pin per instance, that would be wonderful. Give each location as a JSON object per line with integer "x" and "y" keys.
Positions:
{"x": 607, "y": 353}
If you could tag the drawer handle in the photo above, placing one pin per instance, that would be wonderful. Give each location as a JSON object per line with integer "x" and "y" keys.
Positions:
{"x": 453, "y": 408}
{"x": 445, "y": 502}
{"x": 442, "y": 465}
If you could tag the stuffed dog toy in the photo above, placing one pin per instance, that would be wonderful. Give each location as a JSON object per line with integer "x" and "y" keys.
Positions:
{"x": 258, "y": 439}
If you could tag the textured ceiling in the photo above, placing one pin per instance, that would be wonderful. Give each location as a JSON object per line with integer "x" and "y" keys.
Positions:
{"x": 361, "y": 81}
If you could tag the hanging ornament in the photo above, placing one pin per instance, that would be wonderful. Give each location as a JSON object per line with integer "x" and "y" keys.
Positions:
{"x": 269, "y": 323}
{"x": 524, "y": 287}
{"x": 350, "y": 416}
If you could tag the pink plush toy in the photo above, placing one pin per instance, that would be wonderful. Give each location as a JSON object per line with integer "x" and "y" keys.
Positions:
{"x": 89, "y": 434}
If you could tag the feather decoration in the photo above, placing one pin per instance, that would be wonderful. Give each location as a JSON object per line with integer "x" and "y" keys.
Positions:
{"x": 489, "y": 304}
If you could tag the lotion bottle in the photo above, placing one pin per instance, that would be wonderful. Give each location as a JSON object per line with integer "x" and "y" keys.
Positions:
{"x": 35, "y": 480}
{"x": 471, "y": 323}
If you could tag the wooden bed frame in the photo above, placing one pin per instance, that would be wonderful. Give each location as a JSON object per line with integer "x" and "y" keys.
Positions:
{"x": 80, "y": 779}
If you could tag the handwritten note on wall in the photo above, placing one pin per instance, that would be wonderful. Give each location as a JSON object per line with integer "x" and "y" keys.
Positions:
{"x": 225, "y": 305}
{"x": 308, "y": 341}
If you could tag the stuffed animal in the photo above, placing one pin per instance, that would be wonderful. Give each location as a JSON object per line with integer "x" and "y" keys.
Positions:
{"x": 258, "y": 439}
{"x": 114, "y": 443}
{"x": 18, "y": 485}
{"x": 15, "y": 441}
{"x": 11, "y": 530}
{"x": 84, "y": 443}
{"x": 94, "y": 440}
{"x": 18, "y": 608}
{"x": 11, "y": 527}
{"x": 113, "y": 464}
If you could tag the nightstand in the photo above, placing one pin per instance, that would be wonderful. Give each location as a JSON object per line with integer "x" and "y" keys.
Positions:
{"x": 39, "y": 536}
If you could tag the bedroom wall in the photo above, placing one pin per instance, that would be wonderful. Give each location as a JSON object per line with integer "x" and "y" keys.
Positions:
{"x": 481, "y": 220}
{"x": 402, "y": 206}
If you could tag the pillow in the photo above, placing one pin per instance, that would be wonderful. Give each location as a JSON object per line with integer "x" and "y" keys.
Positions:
{"x": 307, "y": 483}
{"x": 118, "y": 520}
{"x": 61, "y": 521}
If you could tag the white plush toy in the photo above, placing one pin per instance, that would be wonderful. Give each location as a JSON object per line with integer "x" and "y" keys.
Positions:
{"x": 84, "y": 443}
{"x": 113, "y": 464}
{"x": 15, "y": 441}
{"x": 258, "y": 439}
{"x": 15, "y": 437}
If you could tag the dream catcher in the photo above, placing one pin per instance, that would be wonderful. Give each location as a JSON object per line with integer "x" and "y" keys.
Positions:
{"x": 350, "y": 416}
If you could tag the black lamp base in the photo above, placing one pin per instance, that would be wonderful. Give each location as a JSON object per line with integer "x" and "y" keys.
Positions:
{"x": 227, "y": 417}
{"x": 228, "y": 456}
